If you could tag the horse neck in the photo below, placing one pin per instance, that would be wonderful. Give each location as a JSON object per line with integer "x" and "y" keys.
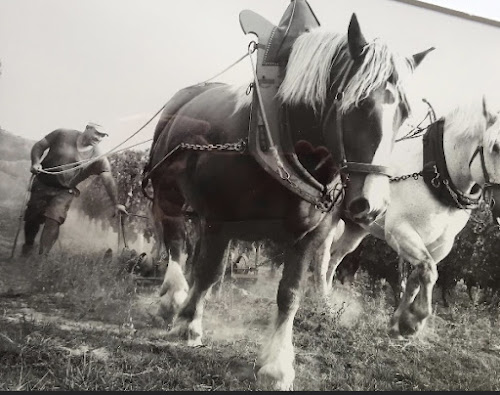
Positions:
{"x": 407, "y": 156}
{"x": 458, "y": 152}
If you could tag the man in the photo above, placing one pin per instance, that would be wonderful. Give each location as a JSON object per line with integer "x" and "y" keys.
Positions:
{"x": 75, "y": 156}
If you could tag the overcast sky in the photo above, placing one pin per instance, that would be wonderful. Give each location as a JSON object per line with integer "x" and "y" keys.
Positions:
{"x": 66, "y": 62}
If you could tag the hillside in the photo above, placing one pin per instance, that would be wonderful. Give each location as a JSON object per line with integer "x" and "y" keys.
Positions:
{"x": 14, "y": 148}
{"x": 14, "y": 167}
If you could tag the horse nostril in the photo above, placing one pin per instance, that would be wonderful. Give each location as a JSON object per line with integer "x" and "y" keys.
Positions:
{"x": 359, "y": 206}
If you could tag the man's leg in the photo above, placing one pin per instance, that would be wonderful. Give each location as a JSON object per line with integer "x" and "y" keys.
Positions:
{"x": 55, "y": 215}
{"x": 31, "y": 229}
{"x": 49, "y": 236}
{"x": 33, "y": 216}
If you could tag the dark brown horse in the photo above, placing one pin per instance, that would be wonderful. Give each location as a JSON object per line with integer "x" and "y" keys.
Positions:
{"x": 234, "y": 197}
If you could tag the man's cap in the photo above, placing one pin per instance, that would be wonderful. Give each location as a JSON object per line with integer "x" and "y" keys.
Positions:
{"x": 97, "y": 127}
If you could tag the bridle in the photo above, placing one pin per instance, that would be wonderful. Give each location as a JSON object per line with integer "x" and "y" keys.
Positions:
{"x": 345, "y": 166}
{"x": 488, "y": 186}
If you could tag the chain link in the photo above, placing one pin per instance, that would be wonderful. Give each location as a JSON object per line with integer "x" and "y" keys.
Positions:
{"x": 238, "y": 146}
{"x": 471, "y": 205}
{"x": 406, "y": 176}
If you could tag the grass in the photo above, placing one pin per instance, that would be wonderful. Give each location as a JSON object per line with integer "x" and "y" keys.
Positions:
{"x": 85, "y": 325}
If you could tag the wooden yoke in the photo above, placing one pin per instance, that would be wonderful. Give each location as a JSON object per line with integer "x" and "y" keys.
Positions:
{"x": 267, "y": 147}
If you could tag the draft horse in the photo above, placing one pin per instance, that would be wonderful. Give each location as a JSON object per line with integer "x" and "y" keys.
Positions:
{"x": 439, "y": 178}
{"x": 235, "y": 197}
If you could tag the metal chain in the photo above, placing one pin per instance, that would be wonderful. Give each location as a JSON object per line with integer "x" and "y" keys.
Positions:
{"x": 238, "y": 146}
{"x": 455, "y": 198}
{"x": 406, "y": 176}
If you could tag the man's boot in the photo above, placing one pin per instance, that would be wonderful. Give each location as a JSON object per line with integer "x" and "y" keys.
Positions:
{"x": 27, "y": 249}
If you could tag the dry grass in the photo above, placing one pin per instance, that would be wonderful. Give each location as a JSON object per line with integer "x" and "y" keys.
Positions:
{"x": 86, "y": 326}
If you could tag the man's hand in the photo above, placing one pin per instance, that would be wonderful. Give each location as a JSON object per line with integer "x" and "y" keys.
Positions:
{"x": 35, "y": 169}
{"x": 120, "y": 209}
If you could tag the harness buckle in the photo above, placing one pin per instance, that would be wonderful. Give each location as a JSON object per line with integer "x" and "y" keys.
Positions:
{"x": 436, "y": 182}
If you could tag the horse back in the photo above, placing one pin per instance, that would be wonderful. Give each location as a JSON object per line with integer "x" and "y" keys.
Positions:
{"x": 174, "y": 105}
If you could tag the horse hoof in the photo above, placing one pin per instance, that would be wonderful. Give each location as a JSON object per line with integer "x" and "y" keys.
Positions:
{"x": 176, "y": 334}
{"x": 277, "y": 378}
{"x": 194, "y": 341}
{"x": 394, "y": 332}
{"x": 407, "y": 325}
{"x": 186, "y": 331}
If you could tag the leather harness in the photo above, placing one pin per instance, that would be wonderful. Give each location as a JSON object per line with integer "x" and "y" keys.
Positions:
{"x": 268, "y": 142}
{"x": 435, "y": 172}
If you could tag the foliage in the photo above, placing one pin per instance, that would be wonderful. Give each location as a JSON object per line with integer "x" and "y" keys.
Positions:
{"x": 127, "y": 171}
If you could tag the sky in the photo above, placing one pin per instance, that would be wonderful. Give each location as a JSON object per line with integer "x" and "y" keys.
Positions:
{"x": 116, "y": 62}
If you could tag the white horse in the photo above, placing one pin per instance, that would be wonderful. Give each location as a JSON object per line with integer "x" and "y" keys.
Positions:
{"x": 422, "y": 220}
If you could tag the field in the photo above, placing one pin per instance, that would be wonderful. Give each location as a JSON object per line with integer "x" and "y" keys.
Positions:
{"x": 74, "y": 321}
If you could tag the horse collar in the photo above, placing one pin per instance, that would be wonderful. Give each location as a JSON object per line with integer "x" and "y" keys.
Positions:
{"x": 435, "y": 171}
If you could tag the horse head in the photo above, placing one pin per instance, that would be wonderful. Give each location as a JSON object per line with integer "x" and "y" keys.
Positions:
{"x": 355, "y": 88}
{"x": 372, "y": 109}
{"x": 486, "y": 171}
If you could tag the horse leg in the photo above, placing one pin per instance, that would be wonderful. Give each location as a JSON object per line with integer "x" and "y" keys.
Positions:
{"x": 321, "y": 261}
{"x": 206, "y": 271}
{"x": 174, "y": 289}
{"x": 174, "y": 238}
{"x": 349, "y": 240}
{"x": 277, "y": 354}
{"x": 416, "y": 303}
{"x": 158, "y": 246}
{"x": 412, "y": 312}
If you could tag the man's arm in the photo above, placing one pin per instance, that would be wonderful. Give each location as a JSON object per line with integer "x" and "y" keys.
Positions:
{"x": 112, "y": 190}
{"x": 36, "y": 154}
{"x": 39, "y": 148}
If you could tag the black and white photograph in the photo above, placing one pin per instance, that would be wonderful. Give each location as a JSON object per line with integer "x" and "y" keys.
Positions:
{"x": 249, "y": 195}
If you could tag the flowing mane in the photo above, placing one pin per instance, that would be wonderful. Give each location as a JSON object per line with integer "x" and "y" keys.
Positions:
{"x": 319, "y": 53}
{"x": 467, "y": 121}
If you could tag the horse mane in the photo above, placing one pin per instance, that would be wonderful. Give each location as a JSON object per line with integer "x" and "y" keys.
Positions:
{"x": 467, "y": 121}
{"x": 318, "y": 54}
{"x": 492, "y": 136}
{"x": 241, "y": 97}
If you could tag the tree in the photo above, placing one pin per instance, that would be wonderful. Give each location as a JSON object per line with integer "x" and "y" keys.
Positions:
{"x": 126, "y": 167}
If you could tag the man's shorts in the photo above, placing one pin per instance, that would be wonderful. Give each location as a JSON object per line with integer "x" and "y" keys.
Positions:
{"x": 48, "y": 202}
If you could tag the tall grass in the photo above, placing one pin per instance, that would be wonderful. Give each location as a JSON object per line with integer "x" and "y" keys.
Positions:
{"x": 342, "y": 345}
{"x": 92, "y": 286}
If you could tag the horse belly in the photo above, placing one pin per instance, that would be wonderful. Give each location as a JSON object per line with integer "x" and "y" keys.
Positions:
{"x": 233, "y": 187}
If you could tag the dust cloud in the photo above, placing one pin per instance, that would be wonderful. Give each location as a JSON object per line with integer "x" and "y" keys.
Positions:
{"x": 79, "y": 234}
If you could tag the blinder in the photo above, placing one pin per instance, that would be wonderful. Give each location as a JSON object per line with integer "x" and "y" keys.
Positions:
{"x": 346, "y": 166}
{"x": 488, "y": 186}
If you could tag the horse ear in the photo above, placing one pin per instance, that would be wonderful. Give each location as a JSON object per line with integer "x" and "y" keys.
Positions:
{"x": 490, "y": 118}
{"x": 355, "y": 38}
{"x": 418, "y": 57}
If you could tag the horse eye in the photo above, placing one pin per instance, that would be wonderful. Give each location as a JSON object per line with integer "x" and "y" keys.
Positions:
{"x": 496, "y": 148}
{"x": 389, "y": 96}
